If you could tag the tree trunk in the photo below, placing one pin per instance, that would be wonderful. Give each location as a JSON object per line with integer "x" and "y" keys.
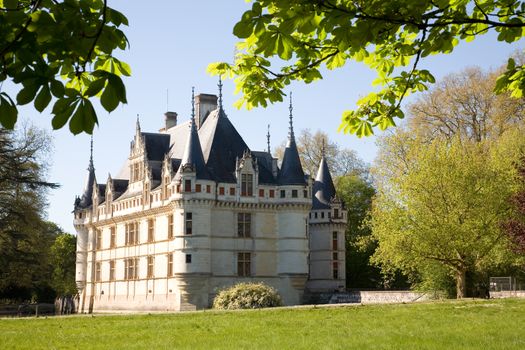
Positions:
{"x": 461, "y": 283}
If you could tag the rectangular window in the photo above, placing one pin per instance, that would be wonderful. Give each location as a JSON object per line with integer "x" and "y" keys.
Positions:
{"x": 334, "y": 240}
{"x": 244, "y": 264}
{"x": 188, "y": 229}
{"x": 188, "y": 258}
{"x": 132, "y": 232}
{"x": 305, "y": 193}
{"x": 283, "y": 193}
{"x": 151, "y": 266}
{"x": 221, "y": 191}
{"x": 98, "y": 239}
{"x": 272, "y": 193}
{"x": 294, "y": 194}
{"x": 335, "y": 270}
{"x": 113, "y": 237}
{"x": 232, "y": 191}
{"x": 170, "y": 226}
{"x": 187, "y": 185}
{"x": 97, "y": 272}
{"x": 244, "y": 224}
{"x": 197, "y": 188}
{"x": 170, "y": 265}
{"x": 335, "y": 256}
{"x": 131, "y": 269}
{"x": 246, "y": 184}
{"x": 336, "y": 213}
{"x": 112, "y": 270}
{"x": 261, "y": 192}
{"x": 151, "y": 230}
{"x": 208, "y": 189}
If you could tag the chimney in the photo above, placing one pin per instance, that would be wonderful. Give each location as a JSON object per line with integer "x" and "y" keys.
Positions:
{"x": 170, "y": 119}
{"x": 204, "y": 104}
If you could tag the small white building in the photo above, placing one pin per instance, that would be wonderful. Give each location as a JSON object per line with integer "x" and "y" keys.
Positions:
{"x": 194, "y": 210}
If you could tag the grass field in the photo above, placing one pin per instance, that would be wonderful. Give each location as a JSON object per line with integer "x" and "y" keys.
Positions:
{"x": 479, "y": 324}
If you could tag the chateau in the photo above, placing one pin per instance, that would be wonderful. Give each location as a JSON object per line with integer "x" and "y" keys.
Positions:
{"x": 194, "y": 210}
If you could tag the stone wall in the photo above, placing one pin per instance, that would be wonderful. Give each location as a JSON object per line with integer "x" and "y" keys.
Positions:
{"x": 378, "y": 297}
{"x": 508, "y": 294}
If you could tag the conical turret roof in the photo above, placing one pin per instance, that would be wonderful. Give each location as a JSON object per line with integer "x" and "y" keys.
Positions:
{"x": 324, "y": 189}
{"x": 291, "y": 169}
{"x": 86, "y": 200}
{"x": 193, "y": 152}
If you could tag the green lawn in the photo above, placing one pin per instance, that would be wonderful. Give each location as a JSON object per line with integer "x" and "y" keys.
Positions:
{"x": 480, "y": 324}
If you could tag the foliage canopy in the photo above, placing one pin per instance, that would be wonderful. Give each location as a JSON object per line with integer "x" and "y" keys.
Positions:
{"x": 61, "y": 50}
{"x": 283, "y": 41}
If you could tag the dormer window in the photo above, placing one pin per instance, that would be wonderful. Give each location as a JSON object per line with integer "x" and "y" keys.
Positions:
{"x": 246, "y": 184}
{"x": 136, "y": 172}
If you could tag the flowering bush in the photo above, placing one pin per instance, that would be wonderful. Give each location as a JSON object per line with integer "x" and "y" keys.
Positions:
{"x": 247, "y": 296}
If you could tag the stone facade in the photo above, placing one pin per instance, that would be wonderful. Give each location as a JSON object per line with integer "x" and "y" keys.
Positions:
{"x": 193, "y": 211}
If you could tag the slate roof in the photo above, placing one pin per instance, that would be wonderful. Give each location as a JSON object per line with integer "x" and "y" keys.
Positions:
{"x": 324, "y": 189}
{"x": 86, "y": 200}
{"x": 291, "y": 169}
{"x": 213, "y": 150}
{"x": 221, "y": 146}
{"x": 157, "y": 145}
{"x": 193, "y": 154}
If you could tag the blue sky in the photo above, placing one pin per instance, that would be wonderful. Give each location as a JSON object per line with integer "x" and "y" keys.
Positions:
{"x": 171, "y": 44}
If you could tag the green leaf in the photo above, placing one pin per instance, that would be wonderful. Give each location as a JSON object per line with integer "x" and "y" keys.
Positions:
{"x": 27, "y": 94}
{"x": 57, "y": 88}
{"x": 243, "y": 29}
{"x": 95, "y": 87}
{"x": 8, "y": 111}
{"x": 84, "y": 118}
{"x": 43, "y": 98}
{"x": 62, "y": 111}
{"x": 109, "y": 99}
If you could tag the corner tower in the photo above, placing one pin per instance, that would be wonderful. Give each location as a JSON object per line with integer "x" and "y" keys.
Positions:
{"x": 327, "y": 234}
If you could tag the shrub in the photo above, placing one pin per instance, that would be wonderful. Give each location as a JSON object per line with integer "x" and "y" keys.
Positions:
{"x": 247, "y": 296}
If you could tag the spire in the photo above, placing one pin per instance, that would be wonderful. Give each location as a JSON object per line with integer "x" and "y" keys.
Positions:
{"x": 324, "y": 189}
{"x": 192, "y": 157}
{"x": 268, "y": 139}
{"x": 137, "y": 126}
{"x": 86, "y": 199}
{"x": 291, "y": 169}
{"x": 220, "y": 92}
{"x": 193, "y": 104}
{"x": 290, "y": 108}
{"x": 91, "y": 166}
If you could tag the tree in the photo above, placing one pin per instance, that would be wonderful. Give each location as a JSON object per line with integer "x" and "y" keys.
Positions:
{"x": 303, "y": 36}
{"x": 310, "y": 146}
{"x": 63, "y": 253}
{"x": 356, "y": 193}
{"x": 61, "y": 49}
{"x": 25, "y": 237}
{"x": 439, "y": 207}
{"x": 515, "y": 226}
{"x": 464, "y": 105}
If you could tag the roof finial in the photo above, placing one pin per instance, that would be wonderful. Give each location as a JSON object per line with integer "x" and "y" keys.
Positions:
{"x": 193, "y": 104}
{"x": 268, "y": 139}
{"x": 291, "y": 134}
{"x": 220, "y": 92}
{"x": 91, "y": 153}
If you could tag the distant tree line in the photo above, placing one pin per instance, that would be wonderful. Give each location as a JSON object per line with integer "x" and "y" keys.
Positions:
{"x": 36, "y": 256}
{"x": 443, "y": 205}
